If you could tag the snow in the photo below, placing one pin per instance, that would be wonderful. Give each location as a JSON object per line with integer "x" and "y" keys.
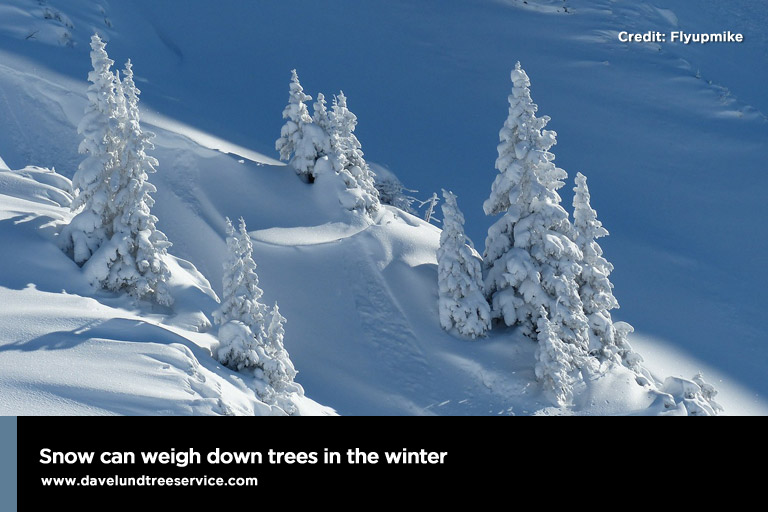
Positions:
{"x": 665, "y": 359}
{"x": 671, "y": 137}
{"x": 70, "y": 350}
{"x": 308, "y": 235}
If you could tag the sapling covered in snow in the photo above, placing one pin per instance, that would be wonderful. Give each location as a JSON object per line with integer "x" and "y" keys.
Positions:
{"x": 251, "y": 338}
{"x": 555, "y": 363}
{"x": 595, "y": 287}
{"x": 461, "y": 302}
{"x": 278, "y": 370}
{"x": 630, "y": 358}
{"x": 100, "y": 128}
{"x": 531, "y": 262}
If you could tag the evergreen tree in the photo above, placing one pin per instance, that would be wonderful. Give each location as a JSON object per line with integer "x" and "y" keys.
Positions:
{"x": 391, "y": 191}
{"x": 280, "y": 372}
{"x": 321, "y": 117}
{"x": 531, "y": 262}
{"x": 555, "y": 362}
{"x": 461, "y": 302}
{"x": 100, "y": 126}
{"x": 132, "y": 260}
{"x": 348, "y": 152}
{"x": 595, "y": 287}
{"x": 629, "y": 357}
{"x": 345, "y": 122}
{"x": 251, "y": 339}
{"x": 295, "y": 145}
{"x": 113, "y": 236}
{"x": 241, "y": 292}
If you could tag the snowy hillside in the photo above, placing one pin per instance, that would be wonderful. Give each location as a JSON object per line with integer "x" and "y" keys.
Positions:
{"x": 671, "y": 140}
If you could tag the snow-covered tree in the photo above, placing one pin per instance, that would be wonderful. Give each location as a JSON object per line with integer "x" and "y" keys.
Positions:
{"x": 350, "y": 156}
{"x": 321, "y": 117}
{"x": 280, "y": 371}
{"x": 251, "y": 338}
{"x": 345, "y": 122}
{"x": 113, "y": 236}
{"x": 595, "y": 287}
{"x": 392, "y": 192}
{"x": 132, "y": 260}
{"x": 531, "y": 262}
{"x": 431, "y": 203}
{"x": 630, "y": 358}
{"x": 299, "y": 140}
{"x": 238, "y": 349}
{"x": 240, "y": 283}
{"x": 321, "y": 141}
{"x": 461, "y": 302}
{"x": 555, "y": 362}
{"x": 296, "y": 115}
{"x": 99, "y": 127}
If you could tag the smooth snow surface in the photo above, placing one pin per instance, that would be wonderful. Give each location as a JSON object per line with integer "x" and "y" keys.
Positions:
{"x": 672, "y": 138}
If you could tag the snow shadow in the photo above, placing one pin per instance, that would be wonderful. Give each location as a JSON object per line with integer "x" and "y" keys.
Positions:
{"x": 50, "y": 271}
{"x": 114, "y": 330}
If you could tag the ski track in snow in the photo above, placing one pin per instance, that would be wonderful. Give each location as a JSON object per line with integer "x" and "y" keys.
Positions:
{"x": 383, "y": 322}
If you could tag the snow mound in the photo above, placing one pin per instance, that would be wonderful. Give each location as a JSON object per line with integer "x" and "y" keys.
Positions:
{"x": 36, "y": 183}
{"x": 307, "y": 235}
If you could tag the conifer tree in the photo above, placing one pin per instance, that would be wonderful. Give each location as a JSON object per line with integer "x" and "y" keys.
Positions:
{"x": 595, "y": 287}
{"x": 349, "y": 154}
{"x": 555, "y": 362}
{"x": 113, "y": 236}
{"x": 295, "y": 145}
{"x": 99, "y": 127}
{"x": 281, "y": 372}
{"x": 531, "y": 262}
{"x": 320, "y": 115}
{"x": 251, "y": 338}
{"x": 461, "y": 302}
{"x": 240, "y": 283}
{"x": 391, "y": 191}
{"x": 132, "y": 260}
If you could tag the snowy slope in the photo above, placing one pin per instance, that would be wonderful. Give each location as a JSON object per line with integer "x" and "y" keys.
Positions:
{"x": 371, "y": 346}
{"x": 67, "y": 349}
{"x": 665, "y": 151}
